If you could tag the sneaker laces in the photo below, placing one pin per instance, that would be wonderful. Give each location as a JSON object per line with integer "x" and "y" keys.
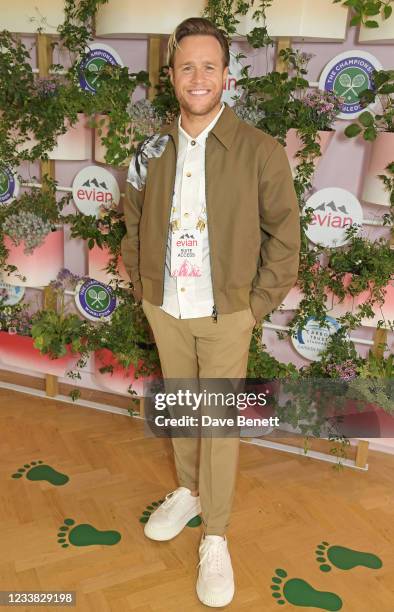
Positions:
{"x": 212, "y": 551}
{"x": 169, "y": 500}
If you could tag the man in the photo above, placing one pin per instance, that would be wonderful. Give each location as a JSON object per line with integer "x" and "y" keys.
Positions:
{"x": 209, "y": 179}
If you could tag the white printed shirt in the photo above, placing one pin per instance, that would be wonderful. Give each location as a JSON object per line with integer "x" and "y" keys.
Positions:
{"x": 190, "y": 296}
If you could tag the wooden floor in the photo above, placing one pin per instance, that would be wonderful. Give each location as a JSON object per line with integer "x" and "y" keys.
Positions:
{"x": 284, "y": 507}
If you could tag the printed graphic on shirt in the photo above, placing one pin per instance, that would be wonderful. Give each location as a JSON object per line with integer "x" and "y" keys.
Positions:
{"x": 153, "y": 146}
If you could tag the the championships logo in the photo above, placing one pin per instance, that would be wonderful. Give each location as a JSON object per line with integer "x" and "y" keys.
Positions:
{"x": 9, "y": 185}
{"x": 94, "y": 187}
{"x": 313, "y": 338}
{"x": 95, "y": 300}
{"x": 90, "y": 67}
{"x": 335, "y": 210}
{"x": 348, "y": 75}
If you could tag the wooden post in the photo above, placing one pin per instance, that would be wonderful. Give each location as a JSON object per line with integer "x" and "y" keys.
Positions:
{"x": 153, "y": 64}
{"x": 379, "y": 342}
{"x": 44, "y": 60}
{"x": 362, "y": 453}
{"x": 282, "y": 43}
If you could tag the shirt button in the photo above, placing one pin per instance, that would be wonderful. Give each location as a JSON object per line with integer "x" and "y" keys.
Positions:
{"x": 188, "y": 173}
{"x": 186, "y": 214}
{"x": 193, "y": 142}
{"x": 183, "y": 289}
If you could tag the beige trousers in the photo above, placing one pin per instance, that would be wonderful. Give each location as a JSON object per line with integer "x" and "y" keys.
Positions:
{"x": 200, "y": 348}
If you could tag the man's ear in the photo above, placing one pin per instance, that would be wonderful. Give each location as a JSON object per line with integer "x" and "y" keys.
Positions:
{"x": 225, "y": 75}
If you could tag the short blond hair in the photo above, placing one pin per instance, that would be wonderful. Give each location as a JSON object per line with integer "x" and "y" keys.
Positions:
{"x": 193, "y": 26}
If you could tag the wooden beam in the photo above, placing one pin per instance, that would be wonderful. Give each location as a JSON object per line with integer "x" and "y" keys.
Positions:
{"x": 282, "y": 43}
{"x": 153, "y": 64}
{"x": 44, "y": 60}
{"x": 379, "y": 342}
{"x": 362, "y": 453}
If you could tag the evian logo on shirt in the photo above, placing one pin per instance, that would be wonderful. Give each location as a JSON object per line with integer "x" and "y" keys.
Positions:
{"x": 186, "y": 240}
{"x": 334, "y": 211}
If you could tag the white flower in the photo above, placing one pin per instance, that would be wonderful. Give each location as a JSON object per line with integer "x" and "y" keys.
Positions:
{"x": 153, "y": 146}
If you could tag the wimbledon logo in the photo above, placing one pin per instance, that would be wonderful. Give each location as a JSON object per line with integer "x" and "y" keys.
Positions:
{"x": 335, "y": 210}
{"x": 348, "y": 75}
{"x": 94, "y": 299}
{"x": 90, "y": 67}
{"x": 94, "y": 187}
{"x": 9, "y": 185}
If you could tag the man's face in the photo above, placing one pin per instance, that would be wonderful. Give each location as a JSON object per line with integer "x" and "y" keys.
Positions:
{"x": 198, "y": 76}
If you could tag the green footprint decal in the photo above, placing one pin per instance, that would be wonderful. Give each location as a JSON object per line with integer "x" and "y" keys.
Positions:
{"x": 300, "y": 593}
{"x": 38, "y": 470}
{"x": 194, "y": 522}
{"x": 85, "y": 535}
{"x": 344, "y": 558}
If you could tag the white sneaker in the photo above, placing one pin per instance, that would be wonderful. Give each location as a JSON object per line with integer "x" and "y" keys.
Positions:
{"x": 178, "y": 508}
{"x": 215, "y": 582}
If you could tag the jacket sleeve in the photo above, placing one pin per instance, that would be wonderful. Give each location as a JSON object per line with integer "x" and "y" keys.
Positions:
{"x": 280, "y": 235}
{"x": 130, "y": 245}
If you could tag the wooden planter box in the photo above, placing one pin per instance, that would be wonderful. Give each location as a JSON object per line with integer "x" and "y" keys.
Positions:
{"x": 131, "y": 17}
{"x": 42, "y": 266}
{"x": 120, "y": 379}
{"x": 16, "y": 16}
{"x": 382, "y": 154}
{"x": 294, "y": 144}
{"x": 307, "y": 19}
{"x": 383, "y": 34}
{"x": 18, "y": 351}
{"x": 98, "y": 260}
{"x": 74, "y": 145}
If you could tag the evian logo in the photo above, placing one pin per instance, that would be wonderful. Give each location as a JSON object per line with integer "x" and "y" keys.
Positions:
{"x": 335, "y": 210}
{"x": 186, "y": 240}
{"x": 332, "y": 216}
{"x": 94, "y": 187}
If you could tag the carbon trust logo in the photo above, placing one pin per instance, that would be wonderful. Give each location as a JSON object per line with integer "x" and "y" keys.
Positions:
{"x": 313, "y": 338}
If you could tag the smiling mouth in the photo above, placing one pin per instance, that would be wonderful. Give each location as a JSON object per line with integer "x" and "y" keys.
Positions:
{"x": 198, "y": 92}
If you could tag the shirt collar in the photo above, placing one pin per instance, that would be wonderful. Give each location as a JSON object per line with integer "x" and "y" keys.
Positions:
{"x": 201, "y": 138}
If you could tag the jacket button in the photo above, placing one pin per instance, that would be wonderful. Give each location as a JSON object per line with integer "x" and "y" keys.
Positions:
{"x": 193, "y": 142}
{"x": 185, "y": 214}
{"x": 188, "y": 173}
{"x": 183, "y": 289}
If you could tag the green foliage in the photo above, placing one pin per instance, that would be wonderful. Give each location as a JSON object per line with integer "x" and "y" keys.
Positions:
{"x": 369, "y": 124}
{"x": 363, "y": 9}
{"x": 54, "y": 333}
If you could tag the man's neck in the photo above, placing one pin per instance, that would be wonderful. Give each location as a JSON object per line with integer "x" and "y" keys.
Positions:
{"x": 195, "y": 124}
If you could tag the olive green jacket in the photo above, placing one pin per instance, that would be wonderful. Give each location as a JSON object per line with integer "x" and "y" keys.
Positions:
{"x": 252, "y": 212}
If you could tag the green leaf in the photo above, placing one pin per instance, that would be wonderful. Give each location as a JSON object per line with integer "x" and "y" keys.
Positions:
{"x": 371, "y": 24}
{"x": 90, "y": 243}
{"x": 356, "y": 20}
{"x": 370, "y": 133}
{"x": 387, "y": 11}
{"x": 366, "y": 119}
{"x": 352, "y": 130}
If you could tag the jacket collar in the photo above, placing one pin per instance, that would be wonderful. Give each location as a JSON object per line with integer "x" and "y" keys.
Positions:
{"x": 224, "y": 129}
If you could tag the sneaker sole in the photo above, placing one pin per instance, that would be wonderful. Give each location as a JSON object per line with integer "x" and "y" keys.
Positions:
{"x": 216, "y": 601}
{"x": 161, "y": 534}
